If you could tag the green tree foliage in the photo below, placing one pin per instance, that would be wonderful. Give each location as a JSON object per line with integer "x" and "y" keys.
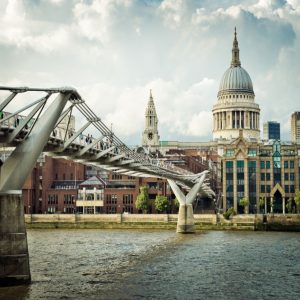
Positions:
{"x": 244, "y": 202}
{"x": 262, "y": 202}
{"x": 161, "y": 203}
{"x": 289, "y": 205}
{"x": 297, "y": 200}
{"x": 229, "y": 213}
{"x": 142, "y": 201}
{"x": 176, "y": 202}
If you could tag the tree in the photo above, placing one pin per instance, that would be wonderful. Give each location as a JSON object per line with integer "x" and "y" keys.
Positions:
{"x": 161, "y": 203}
{"x": 289, "y": 205}
{"x": 229, "y": 213}
{"x": 244, "y": 202}
{"x": 176, "y": 202}
{"x": 297, "y": 200}
{"x": 261, "y": 202}
{"x": 142, "y": 200}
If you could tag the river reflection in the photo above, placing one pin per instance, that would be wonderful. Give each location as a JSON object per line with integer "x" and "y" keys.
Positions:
{"x": 115, "y": 264}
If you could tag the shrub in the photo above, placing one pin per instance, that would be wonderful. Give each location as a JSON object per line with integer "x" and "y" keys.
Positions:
{"x": 229, "y": 213}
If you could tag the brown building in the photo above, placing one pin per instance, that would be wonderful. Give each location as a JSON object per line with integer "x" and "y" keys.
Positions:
{"x": 52, "y": 186}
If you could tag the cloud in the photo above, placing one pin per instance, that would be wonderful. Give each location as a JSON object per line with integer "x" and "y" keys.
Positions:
{"x": 114, "y": 51}
{"x": 173, "y": 12}
{"x": 94, "y": 20}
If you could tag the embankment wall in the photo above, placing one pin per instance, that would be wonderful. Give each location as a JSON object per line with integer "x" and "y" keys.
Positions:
{"x": 290, "y": 222}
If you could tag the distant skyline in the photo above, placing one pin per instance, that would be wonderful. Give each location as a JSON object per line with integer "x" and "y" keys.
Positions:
{"x": 114, "y": 51}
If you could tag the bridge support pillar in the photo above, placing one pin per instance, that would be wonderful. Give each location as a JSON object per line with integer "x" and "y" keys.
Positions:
{"x": 185, "y": 223}
{"x": 14, "y": 258}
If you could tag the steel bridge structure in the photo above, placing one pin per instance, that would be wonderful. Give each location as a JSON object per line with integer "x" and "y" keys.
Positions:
{"x": 30, "y": 127}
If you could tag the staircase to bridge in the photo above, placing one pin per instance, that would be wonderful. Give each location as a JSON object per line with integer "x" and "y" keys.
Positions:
{"x": 29, "y": 127}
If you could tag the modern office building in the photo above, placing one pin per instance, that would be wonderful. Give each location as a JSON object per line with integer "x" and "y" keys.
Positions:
{"x": 271, "y": 131}
{"x": 236, "y": 108}
{"x": 269, "y": 170}
{"x": 295, "y": 127}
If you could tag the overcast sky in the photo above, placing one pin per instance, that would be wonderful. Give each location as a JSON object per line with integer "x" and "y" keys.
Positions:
{"x": 115, "y": 51}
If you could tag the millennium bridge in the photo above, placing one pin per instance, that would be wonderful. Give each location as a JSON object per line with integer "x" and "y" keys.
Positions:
{"x": 44, "y": 125}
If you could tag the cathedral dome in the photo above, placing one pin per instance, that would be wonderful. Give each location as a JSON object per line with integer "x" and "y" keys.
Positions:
{"x": 236, "y": 79}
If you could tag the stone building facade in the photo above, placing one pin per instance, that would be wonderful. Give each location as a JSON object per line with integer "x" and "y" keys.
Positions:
{"x": 255, "y": 170}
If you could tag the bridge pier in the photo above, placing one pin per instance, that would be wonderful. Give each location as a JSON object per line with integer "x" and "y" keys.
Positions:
{"x": 185, "y": 223}
{"x": 14, "y": 258}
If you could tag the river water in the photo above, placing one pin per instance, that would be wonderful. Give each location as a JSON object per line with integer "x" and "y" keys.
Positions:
{"x": 115, "y": 264}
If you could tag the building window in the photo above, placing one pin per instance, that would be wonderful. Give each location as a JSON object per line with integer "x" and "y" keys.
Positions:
{"x": 292, "y": 189}
{"x": 268, "y": 188}
{"x": 52, "y": 199}
{"x": 68, "y": 199}
{"x": 268, "y": 176}
{"x": 286, "y": 189}
{"x": 292, "y": 164}
{"x": 89, "y": 196}
{"x": 262, "y": 188}
{"x": 286, "y": 164}
{"x": 292, "y": 176}
{"x": 268, "y": 165}
{"x": 262, "y": 176}
{"x": 230, "y": 152}
{"x": 252, "y": 152}
{"x": 286, "y": 176}
{"x": 229, "y": 166}
{"x": 262, "y": 164}
{"x": 240, "y": 166}
{"x": 116, "y": 176}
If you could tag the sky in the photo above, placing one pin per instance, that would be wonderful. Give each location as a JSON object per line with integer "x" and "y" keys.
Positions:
{"x": 114, "y": 51}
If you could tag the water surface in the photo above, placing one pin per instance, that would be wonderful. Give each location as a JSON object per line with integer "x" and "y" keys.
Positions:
{"x": 115, "y": 264}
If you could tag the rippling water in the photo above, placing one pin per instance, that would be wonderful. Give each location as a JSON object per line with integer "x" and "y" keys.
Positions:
{"x": 112, "y": 264}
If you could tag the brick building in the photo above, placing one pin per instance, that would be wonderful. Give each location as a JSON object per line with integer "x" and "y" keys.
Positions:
{"x": 52, "y": 186}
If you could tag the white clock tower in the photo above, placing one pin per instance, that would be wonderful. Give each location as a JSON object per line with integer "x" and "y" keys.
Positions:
{"x": 150, "y": 135}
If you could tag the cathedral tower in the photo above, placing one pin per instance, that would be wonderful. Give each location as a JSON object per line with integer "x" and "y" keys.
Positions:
{"x": 150, "y": 135}
{"x": 236, "y": 108}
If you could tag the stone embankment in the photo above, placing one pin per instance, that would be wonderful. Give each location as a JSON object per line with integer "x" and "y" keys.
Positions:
{"x": 276, "y": 222}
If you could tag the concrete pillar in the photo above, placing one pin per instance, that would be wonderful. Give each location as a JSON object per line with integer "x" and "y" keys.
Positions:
{"x": 214, "y": 122}
{"x": 14, "y": 258}
{"x": 271, "y": 205}
{"x": 235, "y": 119}
{"x": 283, "y": 205}
{"x": 185, "y": 223}
{"x": 266, "y": 204}
{"x": 235, "y": 199}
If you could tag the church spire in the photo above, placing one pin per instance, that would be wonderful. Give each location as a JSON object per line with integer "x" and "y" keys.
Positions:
{"x": 150, "y": 135}
{"x": 235, "y": 62}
